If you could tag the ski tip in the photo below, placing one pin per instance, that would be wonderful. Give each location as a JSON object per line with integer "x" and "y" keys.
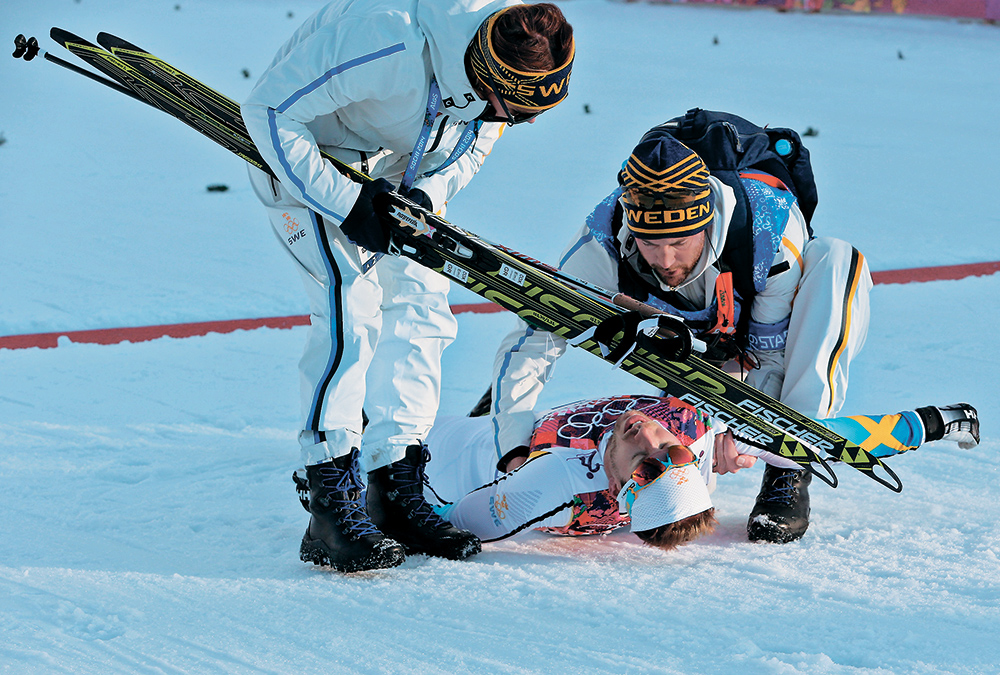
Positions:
{"x": 109, "y": 41}
{"x": 64, "y": 37}
{"x": 59, "y": 35}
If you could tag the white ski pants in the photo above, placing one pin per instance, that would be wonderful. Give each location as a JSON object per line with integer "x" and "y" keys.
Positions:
{"x": 827, "y": 329}
{"x": 375, "y": 338}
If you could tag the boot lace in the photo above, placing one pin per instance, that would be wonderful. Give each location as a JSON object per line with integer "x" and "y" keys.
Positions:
{"x": 782, "y": 489}
{"x": 344, "y": 489}
{"x": 408, "y": 488}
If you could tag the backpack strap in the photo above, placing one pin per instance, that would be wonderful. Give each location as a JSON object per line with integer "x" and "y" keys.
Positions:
{"x": 767, "y": 179}
{"x": 725, "y": 305}
{"x": 737, "y": 253}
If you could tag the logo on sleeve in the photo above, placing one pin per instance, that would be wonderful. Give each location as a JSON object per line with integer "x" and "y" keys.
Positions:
{"x": 589, "y": 462}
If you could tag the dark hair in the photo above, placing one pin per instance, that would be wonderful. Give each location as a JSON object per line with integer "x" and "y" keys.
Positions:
{"x": 669, "y": 537}
{"x": 533, "y": 38}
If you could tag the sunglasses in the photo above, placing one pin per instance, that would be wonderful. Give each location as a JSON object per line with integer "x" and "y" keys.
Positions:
{"x": 491, "y": 114}
{"x": 647, "y": 200}
{"x": 650, "y": 470}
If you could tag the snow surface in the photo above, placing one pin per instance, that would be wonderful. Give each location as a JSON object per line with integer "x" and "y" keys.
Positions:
{"x": 148, "y": 523}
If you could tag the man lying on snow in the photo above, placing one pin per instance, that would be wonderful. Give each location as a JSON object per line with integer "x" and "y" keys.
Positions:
{"x": 596, "y": 465}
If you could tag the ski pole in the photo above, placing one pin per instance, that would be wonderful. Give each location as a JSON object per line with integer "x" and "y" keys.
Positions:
{"x": 28, "y": 48}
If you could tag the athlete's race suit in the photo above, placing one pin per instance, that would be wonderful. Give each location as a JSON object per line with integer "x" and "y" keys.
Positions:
{"x": 562, "y": 487}
{"x": 355, "y": 81}
{"x": 808, "y": 319}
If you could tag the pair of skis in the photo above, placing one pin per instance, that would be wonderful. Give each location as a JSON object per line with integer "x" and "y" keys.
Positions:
{"x": 611, "y": 326}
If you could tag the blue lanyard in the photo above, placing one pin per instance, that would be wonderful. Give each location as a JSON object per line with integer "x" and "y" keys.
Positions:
{"x": 467, "y": 139}
{"x": 433, "y": 103}
{"x": 464, "y": 143}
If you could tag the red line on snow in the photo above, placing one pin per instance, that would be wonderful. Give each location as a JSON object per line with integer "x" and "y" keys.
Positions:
{"x": 108, "y": 336}
{"x": 942, "y": 273}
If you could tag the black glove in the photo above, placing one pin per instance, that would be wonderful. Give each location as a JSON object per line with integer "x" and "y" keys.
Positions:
{"x": 364, "y": 225}
{"x": 368, "y": 222}
{"x": 418, "y": 196}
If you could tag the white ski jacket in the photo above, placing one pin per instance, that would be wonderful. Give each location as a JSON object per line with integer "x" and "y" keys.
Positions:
{"x": 526, "y": 357}
{"x": 354, "y": 80}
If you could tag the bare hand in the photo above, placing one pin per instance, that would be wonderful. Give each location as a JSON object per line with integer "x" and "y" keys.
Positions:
{"x": 727, "y": 459}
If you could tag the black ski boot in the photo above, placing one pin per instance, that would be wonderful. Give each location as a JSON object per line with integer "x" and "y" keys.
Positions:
{"x": 781, "y": 513}
{"x": 397, "y": 506}
{"x": 340, "y": 534}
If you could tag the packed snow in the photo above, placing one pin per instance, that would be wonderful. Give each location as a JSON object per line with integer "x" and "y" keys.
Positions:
{"x": 148, "y": 522}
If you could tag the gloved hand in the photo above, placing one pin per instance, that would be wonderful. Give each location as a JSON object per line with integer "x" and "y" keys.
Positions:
{"x": 368, "y": 222}
{"x": 418, "y": 196}
{"x": 363, "y": 225}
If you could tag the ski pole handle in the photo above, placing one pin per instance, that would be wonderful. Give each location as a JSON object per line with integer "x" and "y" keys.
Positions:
{"x": 27, "y": 48}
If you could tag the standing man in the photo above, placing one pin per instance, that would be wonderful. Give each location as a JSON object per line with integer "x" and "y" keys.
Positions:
{"x": 661, "y": 237}
{"x": 413, "y": 93}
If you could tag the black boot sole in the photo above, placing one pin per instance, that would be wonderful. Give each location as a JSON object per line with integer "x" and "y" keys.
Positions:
{"x": 762, "y": 529}
{"x": 386, "y": 554}
{"x": 457, "y": 546}
{"x": 460, "y": 551}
